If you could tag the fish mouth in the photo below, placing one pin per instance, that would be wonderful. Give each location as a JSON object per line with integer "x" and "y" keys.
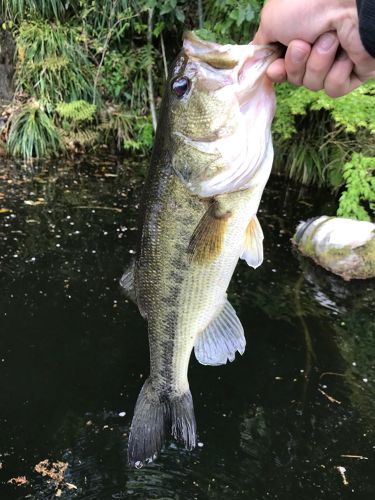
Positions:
{"x": 229, "y": 56}
{"x": 242, "y": 65}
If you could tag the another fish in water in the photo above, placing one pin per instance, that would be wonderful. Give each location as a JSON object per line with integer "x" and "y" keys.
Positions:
{"x": 211, "y": 160}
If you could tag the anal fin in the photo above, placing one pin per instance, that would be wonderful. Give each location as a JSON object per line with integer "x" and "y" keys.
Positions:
{"x": 219, "y": 342}
{"x": 208, "y": 237}
{"x": 253, "y": 244}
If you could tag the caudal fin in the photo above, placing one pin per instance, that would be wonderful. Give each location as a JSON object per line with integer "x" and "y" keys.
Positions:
{"x": 155, "y": 417}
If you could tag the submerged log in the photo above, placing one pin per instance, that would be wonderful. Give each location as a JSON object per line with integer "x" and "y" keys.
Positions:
{"x": 345, "y": 247}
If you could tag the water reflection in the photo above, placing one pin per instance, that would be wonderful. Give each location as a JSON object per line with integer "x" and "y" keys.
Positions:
{"x": 277, "y": 423}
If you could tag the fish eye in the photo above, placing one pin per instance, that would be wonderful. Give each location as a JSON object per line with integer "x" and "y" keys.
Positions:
{"x": 181, "y": 86}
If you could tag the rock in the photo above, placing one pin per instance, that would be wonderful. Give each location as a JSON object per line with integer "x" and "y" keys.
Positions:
{"x": 345, "y": 247}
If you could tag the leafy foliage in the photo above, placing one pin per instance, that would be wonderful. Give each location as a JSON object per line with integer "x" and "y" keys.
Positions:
{"x": 33, "y": 134}
{"x": 89, "y": 65}
{"x": 19, "y": 9}
{"x": 351, "y": 112}
{"x": 232, "y": 20}
{"x": 52, "y": 64}
{"x": 125, "y": 76}
{"x": 316, "y": 135}
{"x": 127, "y": 130}
{"x": 76, "y": 111}
{"x": 360, "y": 188}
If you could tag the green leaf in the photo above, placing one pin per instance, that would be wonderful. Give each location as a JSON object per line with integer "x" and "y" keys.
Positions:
{"x": 180, "y": 15}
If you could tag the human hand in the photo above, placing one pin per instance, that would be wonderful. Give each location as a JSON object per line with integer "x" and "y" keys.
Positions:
{"x": 324, "y": 48}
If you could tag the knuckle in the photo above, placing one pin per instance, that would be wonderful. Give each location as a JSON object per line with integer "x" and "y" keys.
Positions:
{"x": 313, "y": 81}
{"x": 295, "y": 79}
{"x": 319, "y": 66}
{"x": 334, "y": 89}
{"x": 314, "y": 88}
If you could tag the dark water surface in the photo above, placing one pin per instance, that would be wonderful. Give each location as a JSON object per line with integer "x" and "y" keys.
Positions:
{"x": 291, "y": 419}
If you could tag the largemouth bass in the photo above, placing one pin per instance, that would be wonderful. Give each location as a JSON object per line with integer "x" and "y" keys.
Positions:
{"x": 211, "y": 160}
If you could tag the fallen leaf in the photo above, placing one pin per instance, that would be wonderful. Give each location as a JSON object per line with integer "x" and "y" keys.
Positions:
{"x": 53, "y": 470}
{"x": 18, "y": 481}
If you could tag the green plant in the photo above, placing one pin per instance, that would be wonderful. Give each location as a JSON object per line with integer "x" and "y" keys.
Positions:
{"x": 232, "y": 20}
{"x": 32, "y": 133}
{"x": 126, "y": 129}
{"x": 360, "y": 188}
{"x": 76, "y": 111}
{"x": 315, "y": 135}
{"x": 43, "y": 8}
{"x": 52, "y": 64}
{"x": 350, "y": 113}
{"x": 125, "y": 76}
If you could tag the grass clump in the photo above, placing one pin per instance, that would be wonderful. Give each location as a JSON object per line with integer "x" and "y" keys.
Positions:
{"x": 52, "y": 64}
{"x": 32, "y": 133}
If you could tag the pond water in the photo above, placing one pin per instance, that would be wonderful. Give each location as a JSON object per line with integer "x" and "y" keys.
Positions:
{"x": 292, "y": 418}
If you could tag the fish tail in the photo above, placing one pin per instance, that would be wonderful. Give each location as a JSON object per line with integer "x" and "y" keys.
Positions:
{"x": 155, "y": 417}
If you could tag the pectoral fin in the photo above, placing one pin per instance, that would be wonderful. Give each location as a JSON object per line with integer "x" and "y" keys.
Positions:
{"x": 221, "y": 339}
{"x": 253, "y": 244}
{"x": 207, "y": 240}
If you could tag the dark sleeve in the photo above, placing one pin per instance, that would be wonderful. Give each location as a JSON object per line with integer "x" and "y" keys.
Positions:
{"x": 366, "y": 14}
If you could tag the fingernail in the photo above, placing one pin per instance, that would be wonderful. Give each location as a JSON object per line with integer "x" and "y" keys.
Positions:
{"x": 325, "y": 42}
{"x": 298, "y": 55}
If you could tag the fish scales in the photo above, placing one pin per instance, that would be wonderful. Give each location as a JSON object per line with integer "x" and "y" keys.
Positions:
{"x": 199, "y": 217}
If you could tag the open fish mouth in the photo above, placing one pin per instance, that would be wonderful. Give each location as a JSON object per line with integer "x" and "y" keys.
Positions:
{"x": 241, "y": 65}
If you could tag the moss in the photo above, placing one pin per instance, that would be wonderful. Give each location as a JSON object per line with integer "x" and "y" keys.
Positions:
{"x": 306, "y": 244}
{"x": 367, "y": 254}
{"x": 336, "y": 252}
{"x": 358, "y": 263}
{"x": 307, "y": 247}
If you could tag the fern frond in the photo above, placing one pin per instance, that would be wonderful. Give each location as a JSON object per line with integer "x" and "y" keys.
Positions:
{"x": 76, "y": 111}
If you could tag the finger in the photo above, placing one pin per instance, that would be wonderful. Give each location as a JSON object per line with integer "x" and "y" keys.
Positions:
{"x": 321, "y": 58}
{"x": 341, "y": 80}
{"x": 296, "y": 57}
{"x": 276, "y": 71}
{"x": 260, "y": 37}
